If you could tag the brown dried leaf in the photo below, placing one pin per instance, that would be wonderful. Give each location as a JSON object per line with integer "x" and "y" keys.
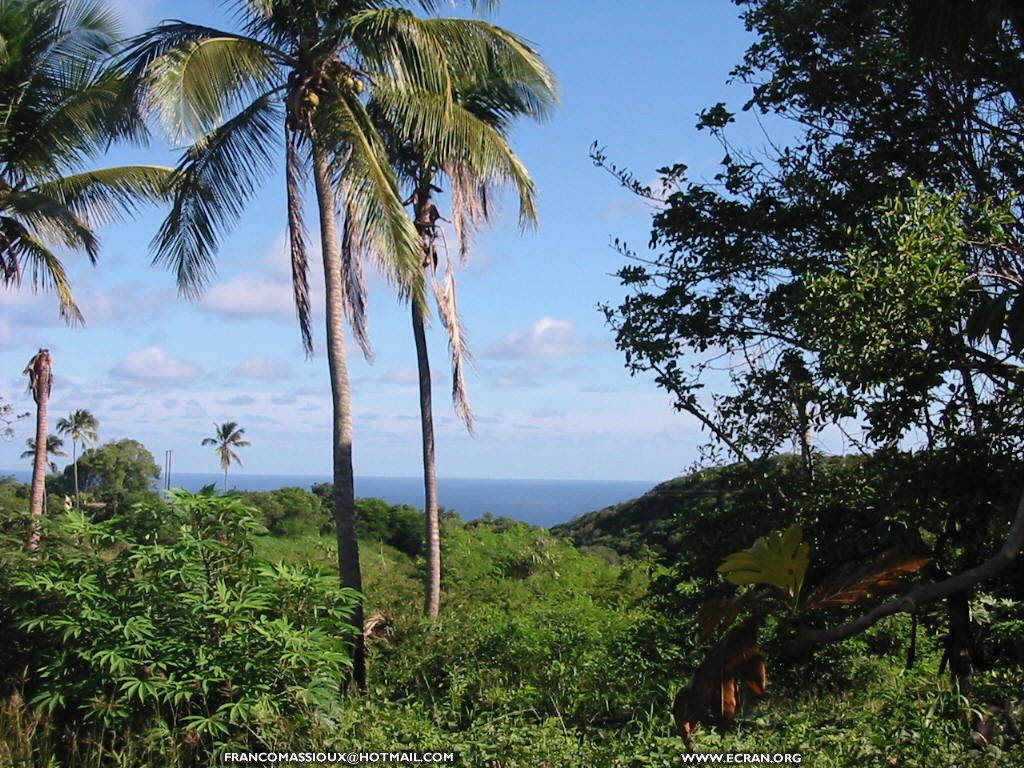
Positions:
{"x": 712, "y": 695}
{"x": 718, "y": 614}
{"x": 850, "y": 585}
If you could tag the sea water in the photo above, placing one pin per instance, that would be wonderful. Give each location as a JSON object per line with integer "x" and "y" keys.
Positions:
{"x": 537, "y": 502}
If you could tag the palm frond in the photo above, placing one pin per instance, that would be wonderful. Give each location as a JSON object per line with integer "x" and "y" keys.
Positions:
{"x": 495, "y": 71}
{"x": 45, "y": 217}
{"x": 215, "y": 180}
{"x": 61, "y": 118}
{"x": 369, "y": 194}
{"x": 447, "y": 309}
{"x": 25, "y": 253}
{"x": 297, "y": 244}
{"x": 194, "y": 85}
{"x": 354, "y": 282}
{"x": 468, "y": 149}
{"x": 137, "y": 54}
{"x": 81, "y": 29}
{"x": 396, "y": 47}
{"x": 107, "y": 194}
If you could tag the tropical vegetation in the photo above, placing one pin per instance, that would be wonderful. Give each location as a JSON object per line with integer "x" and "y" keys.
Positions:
{"x": 473, "y": 154}
{"x": 209, "y": 633}
{"x": 860, "y": 283}
{"x": 83, "y": 428}
{"x": 227, "y": 437}
{"x": 294, "y": 75}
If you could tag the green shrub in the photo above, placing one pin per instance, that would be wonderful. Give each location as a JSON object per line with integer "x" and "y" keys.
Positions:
{"x": 289, "y": 511}
{"x": 177, "y": 633}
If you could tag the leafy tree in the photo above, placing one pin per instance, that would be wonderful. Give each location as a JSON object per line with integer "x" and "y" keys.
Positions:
{"x": 863, "y": 278}
{"x": 398, "y": 525}
{"x": 40, "y": 382}
{"x": 473, "y": 156}
{"x": 61, "y": 109}
{"x": 54, "y": 447}
{"x": 228, "y": 436}
{"x": 117, "y": 474}
{"x": 290, "y": 511}
{"x": 82, "y": 427}
{"x": 299, "y": 73}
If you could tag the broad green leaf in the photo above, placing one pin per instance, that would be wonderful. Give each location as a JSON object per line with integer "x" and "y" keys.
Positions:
{"x": 779, "y": 559}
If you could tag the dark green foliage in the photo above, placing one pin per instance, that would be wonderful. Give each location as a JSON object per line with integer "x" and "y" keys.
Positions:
{"x": 113, "y": 476}
{"x": 530, "y": 625}
{"x": 399, "y": 525}
{"x": 175, "y": 633}
{"x": 290, "y": 511}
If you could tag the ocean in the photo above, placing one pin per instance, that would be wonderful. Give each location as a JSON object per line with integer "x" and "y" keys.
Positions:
{"x": 537, "y": 502}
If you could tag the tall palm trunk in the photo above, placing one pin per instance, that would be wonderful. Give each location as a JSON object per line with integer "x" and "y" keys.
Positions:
{"x": 344, "y": 478}
{"x": 74, "y": 466}
{"x": 39, "y": 371}
{"x": 432, "y": 586}
{"x": 432, "y": 592}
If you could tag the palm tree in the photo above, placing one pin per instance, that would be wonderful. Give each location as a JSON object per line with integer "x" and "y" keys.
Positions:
{"x": 228, "y": 436}
{"x": 82, "y": 427}
{"x": 58, "y": 109}
{"x": 298, "y": 74}
{"x": 473, "y": 155}
{"x": 54, "y": 447}
{"x": 40, "y": 383}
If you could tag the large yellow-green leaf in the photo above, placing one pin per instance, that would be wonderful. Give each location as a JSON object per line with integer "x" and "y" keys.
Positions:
{"x": 779, "y": 559}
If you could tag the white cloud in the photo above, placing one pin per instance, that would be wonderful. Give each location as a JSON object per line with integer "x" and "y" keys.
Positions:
{"x": 405, "y": 375}
{"x": 527, "y": 375}
{"x": 250, "y": 296}
{"x": 239, "y": 400}
{"x": 267, "y": 293}
{"x": 194, "y": 410}
{"x": 547, "y": 337}
{"x": 152, "y": 365}
{"x": 263, "y": 368}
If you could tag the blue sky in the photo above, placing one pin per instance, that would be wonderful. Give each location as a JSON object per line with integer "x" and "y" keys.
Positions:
{"x": 551, "y": 395}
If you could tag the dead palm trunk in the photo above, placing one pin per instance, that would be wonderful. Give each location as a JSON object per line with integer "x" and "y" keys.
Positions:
{"x": 40, "y": 382}
{"x": 344, "y": 477}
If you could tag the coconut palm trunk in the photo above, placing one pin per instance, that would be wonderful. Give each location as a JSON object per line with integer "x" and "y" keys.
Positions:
{"x": 432, "y": 594}
{"x": 341, "y": 394}
{"x": 39, "y": 371}
{"x": 74, "y": 469}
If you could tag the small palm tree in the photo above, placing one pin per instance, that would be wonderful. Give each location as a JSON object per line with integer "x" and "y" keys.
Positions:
{"x": 227, "y": 437}
{"x": 82, "y": 427}
{"x": 54, "y": 447}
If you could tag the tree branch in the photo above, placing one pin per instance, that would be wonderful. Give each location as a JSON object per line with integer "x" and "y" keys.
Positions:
{"x": 927, "y": 593}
